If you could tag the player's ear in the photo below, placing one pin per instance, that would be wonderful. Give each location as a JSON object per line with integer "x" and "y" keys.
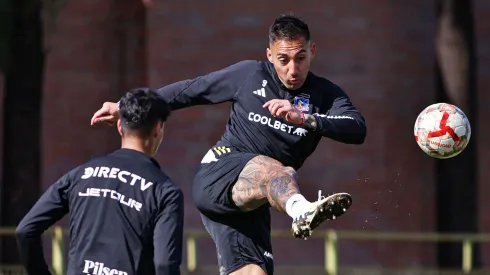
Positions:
{"x": 312, "y": 49}
{"x": 158, "y": 130}
{"x": 268, "y": 52}
{"x": 162, "y": 128}
{"x": 119, "y": 127}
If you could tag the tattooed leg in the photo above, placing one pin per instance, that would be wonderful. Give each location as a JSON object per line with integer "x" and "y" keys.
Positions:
{"x": 264, "y": 179}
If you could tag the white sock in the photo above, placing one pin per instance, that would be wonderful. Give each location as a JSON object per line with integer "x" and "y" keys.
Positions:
{"x": 296, "y": 205}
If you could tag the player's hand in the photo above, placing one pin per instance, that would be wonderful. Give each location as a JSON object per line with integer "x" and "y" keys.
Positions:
{"x": 109, "y": 113}
{"x": 285, "y": 109}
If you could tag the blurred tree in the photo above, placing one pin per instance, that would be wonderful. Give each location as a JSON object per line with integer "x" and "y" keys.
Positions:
{"x": 457, "y": 186}
{"x": 22, "y": 57}
{"x": 21, "y": 61}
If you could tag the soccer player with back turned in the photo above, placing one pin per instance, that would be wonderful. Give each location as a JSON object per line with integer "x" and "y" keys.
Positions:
{"x": 126, "y": 215}
{"x": 280, "y": 112}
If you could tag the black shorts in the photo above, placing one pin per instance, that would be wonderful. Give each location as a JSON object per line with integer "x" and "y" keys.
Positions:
{"x": 241, "y": 237}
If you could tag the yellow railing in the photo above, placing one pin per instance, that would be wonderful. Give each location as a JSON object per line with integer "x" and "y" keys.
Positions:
{"x": 330, "y": 237}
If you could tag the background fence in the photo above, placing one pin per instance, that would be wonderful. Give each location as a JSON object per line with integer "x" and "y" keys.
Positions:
{"x": 330, "y": 238}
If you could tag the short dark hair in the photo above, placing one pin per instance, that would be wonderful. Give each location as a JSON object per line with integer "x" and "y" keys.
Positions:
{"x": 288, "y": 27}
{"x": 141, "y": 109}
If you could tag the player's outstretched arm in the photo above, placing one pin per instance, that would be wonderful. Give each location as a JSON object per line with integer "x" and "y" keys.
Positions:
{"x": 213, "y": 88}
{"x": 343, "y": 122}
{"x": 50, "y": 208}
{"x": 168, "y": 234}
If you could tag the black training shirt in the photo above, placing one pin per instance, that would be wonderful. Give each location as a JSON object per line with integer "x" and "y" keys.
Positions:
{"x": 126, "y": 217}
{"x": 251, "y": 128}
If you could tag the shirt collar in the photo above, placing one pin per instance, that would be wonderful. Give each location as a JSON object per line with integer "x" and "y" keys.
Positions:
{"x": 136, "y": 155}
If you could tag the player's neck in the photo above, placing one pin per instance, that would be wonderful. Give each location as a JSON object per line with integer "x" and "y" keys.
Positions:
{"x": 143, "y": 146}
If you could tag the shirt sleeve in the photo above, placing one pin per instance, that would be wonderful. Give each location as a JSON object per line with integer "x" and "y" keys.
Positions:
{"x": 213, "y": 88}
{"x": 342, "y": 122}
{"x": 168, "y": 234}
{"x": 50, "y": 208}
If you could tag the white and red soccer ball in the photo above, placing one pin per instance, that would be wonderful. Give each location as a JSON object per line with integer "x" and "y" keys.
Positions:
{"x": 442, "y": 130}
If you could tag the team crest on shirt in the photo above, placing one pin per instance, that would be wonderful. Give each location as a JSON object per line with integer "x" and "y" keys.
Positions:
{"x": 302, "y": 104}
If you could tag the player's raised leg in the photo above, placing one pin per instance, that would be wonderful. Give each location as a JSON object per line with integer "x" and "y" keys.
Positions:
{"x": 264, "y": 179}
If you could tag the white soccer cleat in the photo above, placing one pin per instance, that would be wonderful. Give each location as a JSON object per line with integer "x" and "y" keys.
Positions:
{"x": 325, "y": 208}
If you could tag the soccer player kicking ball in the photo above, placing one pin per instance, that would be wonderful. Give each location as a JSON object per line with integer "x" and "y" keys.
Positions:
{"x": 280, "y": 112}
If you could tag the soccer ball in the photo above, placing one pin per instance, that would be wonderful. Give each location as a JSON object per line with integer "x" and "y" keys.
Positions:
{"x": 442, "y": 130}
